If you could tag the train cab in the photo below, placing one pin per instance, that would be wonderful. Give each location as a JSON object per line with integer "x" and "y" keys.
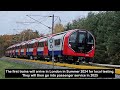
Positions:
{"x": 79, "y": 43}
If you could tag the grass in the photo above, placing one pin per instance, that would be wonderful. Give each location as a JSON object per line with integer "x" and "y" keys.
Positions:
{"x": 11, "y": 65}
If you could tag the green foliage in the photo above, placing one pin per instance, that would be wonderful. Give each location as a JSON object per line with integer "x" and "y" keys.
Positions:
{"x": 58, "y": 28}
{"x": 7, "y": 64}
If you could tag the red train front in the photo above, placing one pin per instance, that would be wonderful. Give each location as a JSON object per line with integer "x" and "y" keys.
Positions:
{"x": 79, "y": 45}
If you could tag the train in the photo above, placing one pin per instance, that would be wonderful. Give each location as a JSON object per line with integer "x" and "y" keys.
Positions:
{"x": 72, "y": 46}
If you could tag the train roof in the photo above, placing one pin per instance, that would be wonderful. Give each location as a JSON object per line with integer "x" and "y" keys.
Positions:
{"x": 33, "y": 41}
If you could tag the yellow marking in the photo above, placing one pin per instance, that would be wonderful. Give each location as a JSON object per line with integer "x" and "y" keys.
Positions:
{"x": 117, "y": 71}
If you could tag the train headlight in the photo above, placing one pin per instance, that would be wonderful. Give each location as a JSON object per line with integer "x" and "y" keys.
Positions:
{"x": 69, "y": 45}
{"x": 92, "y": 47}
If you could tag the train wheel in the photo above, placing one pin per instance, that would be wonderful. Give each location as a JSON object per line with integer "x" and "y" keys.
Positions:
{"x": 87, "y": 60}
{"x": 48, "y": 60}
{"x": 70, "y": 61}
{"x": 60, "y": 59}
{"x": 63, "y": 59}
{"x": 76, "y": 60}
{"x": 56, "y": 59}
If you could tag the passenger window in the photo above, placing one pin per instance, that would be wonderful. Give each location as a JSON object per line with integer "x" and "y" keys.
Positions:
{"x": 30, "y": 45}
{"x": 41, "y": 44}
{"x": 57, "y": 42}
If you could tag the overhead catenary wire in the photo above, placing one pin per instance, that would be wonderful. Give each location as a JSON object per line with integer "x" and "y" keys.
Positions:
{"x": 30, "y": 23}
{"x": 26, "y": 23}
{"x": 39, "y": 21}
{"x": 45, "y": 18}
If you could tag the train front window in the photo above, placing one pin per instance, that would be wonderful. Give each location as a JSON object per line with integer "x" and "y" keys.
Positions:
{"x": 90, "y": 39}
{"x": 72, "y": 38}
{"x": 72, "y": 41}
{"x": 90, "y": 42}
{"x": 82, "y": 37}
{"x": 77, "y": 41}
{"x": 81, "y": 41}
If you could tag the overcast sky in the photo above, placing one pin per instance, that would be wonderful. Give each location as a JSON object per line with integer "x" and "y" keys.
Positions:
{"x": 11, "y": 22}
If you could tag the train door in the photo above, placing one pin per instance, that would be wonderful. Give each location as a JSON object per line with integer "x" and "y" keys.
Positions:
{"x": 14, "y": 51}
{"x": 25, "y": 49}
{"x": 35, "y": 49}
{"x": 45, "y": 50}
{"x": 19, "y": 51}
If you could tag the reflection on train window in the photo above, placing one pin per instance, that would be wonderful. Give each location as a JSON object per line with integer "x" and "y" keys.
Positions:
{"x": 57, "y": 42}
{"x": 73, "y": 37}
{"x": 90, "y": 39}
{"x": 81, "y": 37}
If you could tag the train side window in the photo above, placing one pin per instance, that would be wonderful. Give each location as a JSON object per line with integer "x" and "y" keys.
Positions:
{"x": 73, "y": 37}
{"x": 30, "y": 45}
{"x": 34, "y": 45}
{"x": 41, "y": 44}
{"x": 90, "y": 39}
{"x": 22, "y": 46}
{"x": 25, "y": 45}
{"x": 57, "y": 42}
{"x": 38, "y": 44}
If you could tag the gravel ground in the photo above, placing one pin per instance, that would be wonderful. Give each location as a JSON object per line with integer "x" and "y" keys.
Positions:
{"x": 34, "y": 64}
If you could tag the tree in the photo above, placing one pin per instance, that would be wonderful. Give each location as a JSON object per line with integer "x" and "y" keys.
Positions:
{"x": 28, "y": 34}
{"x": 58, "y": 28}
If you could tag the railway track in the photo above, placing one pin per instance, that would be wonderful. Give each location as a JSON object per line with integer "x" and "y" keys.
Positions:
{"x": 106, "y": 65}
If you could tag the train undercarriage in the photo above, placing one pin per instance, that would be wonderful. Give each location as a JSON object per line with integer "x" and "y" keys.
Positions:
{"x": 61, "y": 59}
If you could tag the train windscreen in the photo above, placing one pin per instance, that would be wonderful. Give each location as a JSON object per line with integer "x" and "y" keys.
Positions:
{"x": 81, "y": 41}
